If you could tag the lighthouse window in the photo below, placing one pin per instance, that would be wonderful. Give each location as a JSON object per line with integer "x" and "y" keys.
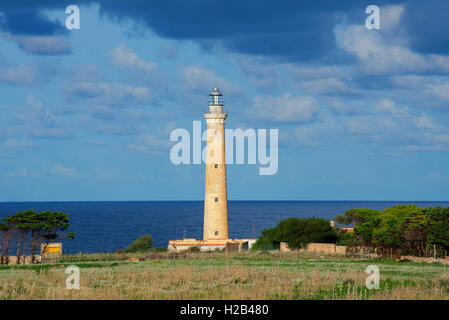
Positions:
{"x": 216, "y": 199}
{"x": 216, "y": 132}
{"x": 216, "y": 166}
{"x": 216, "y": 233}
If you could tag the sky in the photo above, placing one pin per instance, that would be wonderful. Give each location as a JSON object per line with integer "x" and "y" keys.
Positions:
{"x": 87, "y": 114}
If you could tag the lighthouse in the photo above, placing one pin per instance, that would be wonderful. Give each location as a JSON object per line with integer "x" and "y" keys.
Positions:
{"x": 215, "y": 198}
{"x": 215, "y": 227}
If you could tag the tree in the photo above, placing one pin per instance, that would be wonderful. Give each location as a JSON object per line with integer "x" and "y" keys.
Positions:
{"x": 141, "y": 244}
{"x": 439, "y": 226}
{"x": 404, "y": 227}
{"x": 298, "y": 232}
{"x": 345, "y": 238}
{"x": 357, "y": 216}
{"x": 6, "y": 234}
{"x": 416, "y": 231}
{"x": 268, "y": 240}
{"x": 21, "y": 222}
{"x": 46, "y": 227}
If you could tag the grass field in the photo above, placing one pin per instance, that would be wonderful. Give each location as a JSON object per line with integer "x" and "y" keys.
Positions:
{"x": 236, "y": 276}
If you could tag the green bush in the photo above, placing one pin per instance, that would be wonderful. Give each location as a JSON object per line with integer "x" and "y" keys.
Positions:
{"x": 141, "y": 244}
{"x": 297, "y": 232}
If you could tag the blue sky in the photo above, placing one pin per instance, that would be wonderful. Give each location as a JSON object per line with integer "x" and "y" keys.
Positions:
{"x": 86, "y": 114}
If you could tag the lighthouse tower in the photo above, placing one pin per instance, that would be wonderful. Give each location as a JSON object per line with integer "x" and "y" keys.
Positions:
{"x": 215, "y": 232}
{"x": 215, "y": 198}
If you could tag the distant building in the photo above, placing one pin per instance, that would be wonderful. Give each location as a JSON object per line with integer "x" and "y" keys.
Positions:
{"x": 348, "y": 229}
{"x": 215, "y": 230}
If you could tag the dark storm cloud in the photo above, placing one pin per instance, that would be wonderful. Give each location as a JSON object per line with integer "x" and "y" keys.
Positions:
{"x": 31, "y": 23}
{"x": 427, "y": 23}
{"x": 288, "y": 30}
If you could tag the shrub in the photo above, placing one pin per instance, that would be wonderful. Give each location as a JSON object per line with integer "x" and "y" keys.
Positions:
{"x": 141, "y": 244}
{"x": 297, "y": 232}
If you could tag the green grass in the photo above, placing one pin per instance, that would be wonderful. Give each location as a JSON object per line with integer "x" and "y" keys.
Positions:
{"x": 234, "y": 276}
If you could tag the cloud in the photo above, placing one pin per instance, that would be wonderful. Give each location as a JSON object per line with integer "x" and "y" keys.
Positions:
{"x": 389, "y": 106}
{"x": 12, "y": 143}
{"x": 23, "y": 75}
{"x": 29, "y": 21}
{"x": 109, "y": 93}
{"x": 42, "y": 45}
{"x": 368, "y": 124}
{"x": 285, "y": 109}
{"x": 126, "y": 57}
{"x": 60, "y": 170}
{"x": 199, "y": 78}
{"x": 22, "y": 173}
{"x": 110, "y": 120}
{"x": 428, "y": 26}
{"x": 377, "y": 56}
{"x": 346, "y": 107}
{"x": 39, "y": 122}
{"x": 150, "y": 144}
{"x": 427, "y": 121}
{"x": 327, "y": 86}
{"x": 440, "y": 90}
{"x": 262, "y": 72}
{"x": 294, "y": 31}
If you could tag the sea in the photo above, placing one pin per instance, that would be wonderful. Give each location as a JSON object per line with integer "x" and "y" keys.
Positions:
{"x": 107, "y": 226}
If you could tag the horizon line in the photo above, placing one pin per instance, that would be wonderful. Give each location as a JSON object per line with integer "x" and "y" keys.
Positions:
{"x": 250, "y": 200}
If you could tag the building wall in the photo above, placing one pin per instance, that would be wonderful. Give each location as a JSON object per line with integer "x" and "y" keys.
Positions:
{"x": 24, "y": 259}
{"x": 328, "y": 248}
{"x": 215, "y": 212}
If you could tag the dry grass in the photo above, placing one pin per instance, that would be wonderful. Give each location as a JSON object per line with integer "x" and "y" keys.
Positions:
{"x": 241, "y": 276}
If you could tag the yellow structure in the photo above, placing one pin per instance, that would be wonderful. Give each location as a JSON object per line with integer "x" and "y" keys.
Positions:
{"x": 215, "y": 229}
{"x": 52, "y": 248}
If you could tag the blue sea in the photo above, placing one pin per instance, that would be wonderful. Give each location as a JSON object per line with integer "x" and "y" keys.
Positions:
{"x": 106, "y": 226}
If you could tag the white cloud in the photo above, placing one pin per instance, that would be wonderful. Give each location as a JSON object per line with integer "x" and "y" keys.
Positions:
{"x": 391, "y": 16}
{"x": 199, "y": 78}
{"x": 345, "y": 107}
{"x": 110, "y": 93}
{"x": 369, "y": 124}
{"x": 150, "y": 144}
{"x": 285, "y": 109}
{"x": 21, "y": 75}
{"x": 379, "y": 54}
{"x": 440, "y": 90}
{"x": 37, "y": 121}
{"x": 21, "y": 173}
{"x": 389, "y": 106}
{"x": 426, "y": 121}
{"x": 326, "y": 85}
{"x": 41, "y": 45}
{"x": 16, "y": 143}
{"x": 58, "y": 169}
{"x": 126, "y": 57}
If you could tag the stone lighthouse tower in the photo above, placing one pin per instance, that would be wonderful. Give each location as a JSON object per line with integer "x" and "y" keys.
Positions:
{"x": 215, "y": 199}
{"x": 215, "y": 232}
